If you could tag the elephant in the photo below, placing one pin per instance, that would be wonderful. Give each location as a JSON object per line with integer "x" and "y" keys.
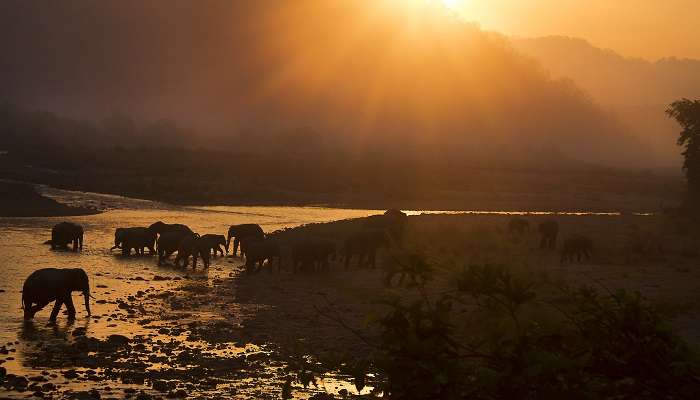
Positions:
{"x": 313, "y": 254}
{"x": 393, "y": 222}
{"x": 169, "y": 242}
{"x": 238, "y": 232}
{"x": 192, "y": 245}
{"x": 161, "y": 227}
{"x": 137, "y": 238}
{"x": 577, "y": 246}
{"x": 518, "y": 226}
{"x": 257, "y": 251}
{"x": 549, "y": 230}
{"x": 64, "y": 233}
{"x": 365, "y": 244}
{"x": 216, "y": 243}
{"x": 53, "y": 284}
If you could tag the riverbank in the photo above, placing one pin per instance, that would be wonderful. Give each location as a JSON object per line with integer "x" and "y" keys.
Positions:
{"x": 22, "y": 200}
{"x": 223, "y": 333}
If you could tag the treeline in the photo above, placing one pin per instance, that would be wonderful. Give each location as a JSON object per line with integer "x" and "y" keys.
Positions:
{"x": 207, "y": 176}
{"x": 23, "y": 128}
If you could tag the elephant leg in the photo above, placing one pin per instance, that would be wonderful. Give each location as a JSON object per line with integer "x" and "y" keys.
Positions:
{"x": 70, "y": 307}
{"x": 235, "y": 246}
{"x": 194, "y": 261}
{"x": 33, "y": 309}
{"x": 56, "y": 309}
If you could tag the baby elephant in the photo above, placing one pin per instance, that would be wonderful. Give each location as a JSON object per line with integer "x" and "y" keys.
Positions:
{"x": 216, "y": 243}
{"x": 52, "y": 284}
{"x": 578, "y": 247}
{"x": 192, "y": 245}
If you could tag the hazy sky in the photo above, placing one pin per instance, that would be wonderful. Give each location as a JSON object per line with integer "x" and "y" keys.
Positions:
{"x": 640, "y": 28}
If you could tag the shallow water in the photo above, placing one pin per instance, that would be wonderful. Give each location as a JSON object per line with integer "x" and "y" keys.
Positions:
{"x": 113, "y": 277}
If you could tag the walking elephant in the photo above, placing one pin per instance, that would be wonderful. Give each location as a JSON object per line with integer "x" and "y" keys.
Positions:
{"x": 216, "y": 243}
{"x": 192, "y": 245}
{"x": 137, "y": 238}
{"x": 64, "y": 233}
{"x": 313, "y": 255}
{"x": 576, "y": 247}
{"x": 549, "y": 230}
{"x": 169, "y": 242}
{"x": 259, "y": 251}
{"x": 161, "y": 227}
{"x": 365, "y": 245}
{"x": 52, "y": 284}
{"x": 238, "y": 232}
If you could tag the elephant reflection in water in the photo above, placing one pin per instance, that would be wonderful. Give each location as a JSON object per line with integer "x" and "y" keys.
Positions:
{"x": 53, "y": 284}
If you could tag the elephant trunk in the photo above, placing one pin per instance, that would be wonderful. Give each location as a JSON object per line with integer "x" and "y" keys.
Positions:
{"x": 86, "y": 294}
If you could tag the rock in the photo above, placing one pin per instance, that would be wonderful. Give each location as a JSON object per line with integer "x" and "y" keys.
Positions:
{"x": 70, "y": 374}
{"x": 89, "y": 395}
{"x": 176, "y": 394}
{"x": 160, "y": 278}
{"x": 161, "y": 386}
{"x": 80, "y": 331}
{"x": 117, "y": 340}
{"x": 144, "y": 396}
{"x": 102, "y": 286}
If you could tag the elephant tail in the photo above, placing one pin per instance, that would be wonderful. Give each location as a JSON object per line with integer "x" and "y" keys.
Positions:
{"x": 22, "y": 306}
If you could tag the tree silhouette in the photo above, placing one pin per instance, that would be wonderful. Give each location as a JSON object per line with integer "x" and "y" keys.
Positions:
{"x": 687, "y": 114}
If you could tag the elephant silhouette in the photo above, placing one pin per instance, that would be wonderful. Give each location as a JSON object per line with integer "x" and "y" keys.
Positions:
{"x": 64, "y": 233}
{"x": 313, "y": 254}
{"x": 216, "y": 243}
{"x": 576, "y": 247}
{"x": 53, "y": 284}
{"x": 518, "y": 226}
{"x": 549, "y": 230}
{"x": 365, "y": 245}
{"x": 137, "y": 238}
{"x": 261, "y": 250}
{"x": 192, "y": 245}
{"x": 238, "y": 232}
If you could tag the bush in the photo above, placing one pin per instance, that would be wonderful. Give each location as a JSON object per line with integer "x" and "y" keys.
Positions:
{"x": 494, "y": 335}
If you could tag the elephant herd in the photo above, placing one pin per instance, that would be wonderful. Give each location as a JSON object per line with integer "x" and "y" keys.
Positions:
{"x": 575, "y": 248}
{"x": 311, "y": 253}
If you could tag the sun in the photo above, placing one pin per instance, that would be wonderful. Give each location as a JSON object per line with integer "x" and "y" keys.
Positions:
{"x": 452, "y": 4}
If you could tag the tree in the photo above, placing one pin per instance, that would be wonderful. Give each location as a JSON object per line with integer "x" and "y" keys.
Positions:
{"x": 687, "y": 114}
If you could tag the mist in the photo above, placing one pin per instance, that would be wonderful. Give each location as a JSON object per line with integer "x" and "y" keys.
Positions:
{"x": 349, "y": 76}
